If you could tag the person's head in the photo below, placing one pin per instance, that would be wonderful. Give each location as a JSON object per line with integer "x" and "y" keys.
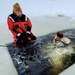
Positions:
{"x": 17, "y": 9}
{"x": 60, "y": 34}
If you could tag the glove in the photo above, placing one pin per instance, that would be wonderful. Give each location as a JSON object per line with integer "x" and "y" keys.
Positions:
{"x": 28, "y": 32}
{"x": 18, "y": 35}
{"x": 27, "y": 27}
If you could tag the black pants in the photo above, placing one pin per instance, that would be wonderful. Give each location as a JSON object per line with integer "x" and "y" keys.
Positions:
{"x": 23, "y": 39}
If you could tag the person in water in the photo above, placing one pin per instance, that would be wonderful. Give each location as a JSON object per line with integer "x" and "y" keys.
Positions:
{"x": 61, "y": 38}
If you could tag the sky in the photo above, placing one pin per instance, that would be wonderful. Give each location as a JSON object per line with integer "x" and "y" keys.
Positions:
{"x": 37, "y": 7}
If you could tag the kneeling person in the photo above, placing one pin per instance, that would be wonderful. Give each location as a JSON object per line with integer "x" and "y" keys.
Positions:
{"x": 20, "y": 26}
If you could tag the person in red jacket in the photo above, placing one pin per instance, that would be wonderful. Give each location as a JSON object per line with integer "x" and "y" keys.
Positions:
{"x": 20, "y": 26}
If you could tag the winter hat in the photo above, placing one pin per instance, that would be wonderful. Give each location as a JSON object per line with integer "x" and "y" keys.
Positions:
{"x": 17, "y": 8}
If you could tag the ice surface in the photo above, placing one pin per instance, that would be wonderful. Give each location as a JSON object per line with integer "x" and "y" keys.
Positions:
{"x": 69, "y": 71}
{"x": 41, "y": 26}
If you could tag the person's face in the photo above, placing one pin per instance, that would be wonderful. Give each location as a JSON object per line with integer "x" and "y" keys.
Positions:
{"x": 19, "y": 14}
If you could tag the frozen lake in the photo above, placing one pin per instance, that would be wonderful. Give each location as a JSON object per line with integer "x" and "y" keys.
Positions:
{"x": 41, "y": 26}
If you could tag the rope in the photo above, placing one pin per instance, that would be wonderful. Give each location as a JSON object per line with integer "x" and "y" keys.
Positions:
{"x": 5, "y": 46}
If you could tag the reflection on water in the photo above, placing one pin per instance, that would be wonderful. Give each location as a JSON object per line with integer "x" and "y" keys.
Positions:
{"x": 58, "y": 57}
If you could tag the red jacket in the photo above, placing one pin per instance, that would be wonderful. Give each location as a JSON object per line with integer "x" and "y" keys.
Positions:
{"x": 18, "y": 24}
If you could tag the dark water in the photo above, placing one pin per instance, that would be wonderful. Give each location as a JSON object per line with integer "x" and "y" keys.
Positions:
{"x": 49, "y": 60}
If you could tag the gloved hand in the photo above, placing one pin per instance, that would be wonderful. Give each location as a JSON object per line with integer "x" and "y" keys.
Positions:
{"x": 18, "y": 35}
{"x": 28, "y": 32}
{"x": 27, "y": 27}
